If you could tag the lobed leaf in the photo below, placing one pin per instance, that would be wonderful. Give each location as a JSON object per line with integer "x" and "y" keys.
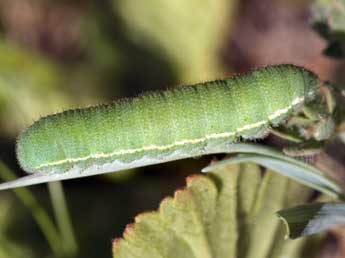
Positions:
{"x": 200, "y": 221}
{"x": 226, "y": 214}
{"x": 295, "y": 194}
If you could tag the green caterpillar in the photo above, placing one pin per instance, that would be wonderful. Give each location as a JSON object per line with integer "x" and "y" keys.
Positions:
{"x": 168, "y": 125}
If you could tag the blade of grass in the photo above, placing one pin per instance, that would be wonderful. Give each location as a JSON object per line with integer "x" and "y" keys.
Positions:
{"x": 63, "y": 219}
{"x": 282, "y": 164}
{"x": 40, "y": 215}
{"x": 266, "y": 151}
{"x": 3, "y": 253}
{"x": 13, "y": 250}
{"x": 311, "y": 175}
{"x": 292, "y": 171}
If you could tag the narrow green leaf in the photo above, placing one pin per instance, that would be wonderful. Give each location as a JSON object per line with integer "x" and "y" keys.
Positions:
{"x": 312, "y": 218}
{"x": 280, "y": 163}
{"x": 63, "y": 219}
{"x": 306, "y": 174}
{"x": 40, "y": 215}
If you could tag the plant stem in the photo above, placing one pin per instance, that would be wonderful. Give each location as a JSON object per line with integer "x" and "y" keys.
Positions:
{"x": 40, "y": 215}
{"x": 63, "y": 219}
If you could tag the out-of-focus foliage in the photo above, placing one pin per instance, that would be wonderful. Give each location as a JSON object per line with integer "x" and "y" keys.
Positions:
{"x": 30, "y": 86}
{"x": 229, "y": 213}
{"x": 189, "y": 33}
{"x": 8, "y": 247}
{"x": 329, "y": 21}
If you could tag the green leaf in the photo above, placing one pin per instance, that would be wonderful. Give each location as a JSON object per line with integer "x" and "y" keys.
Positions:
{"x": 190, "y": 40}
{"x": 295, "y": 194}
{"x": 329, "y": 21}
{"x": 185, "y": 226}
{"x": 312, "y": 218}
{"x": 263, "y": 155}
{"x": 270, "y": 198}
{"x": 30, "y": 86}
{"x": 228, "y": 213}
{"x": 331, "y": 13}
{"x": 189, "y": 225}
{"x": 40, "y": 215}
{"x": 282, "y": 164}
{"x": 223, "y": 231}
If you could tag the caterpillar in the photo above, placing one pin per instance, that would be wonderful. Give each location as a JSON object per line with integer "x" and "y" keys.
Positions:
{"x": 165, "y": 125}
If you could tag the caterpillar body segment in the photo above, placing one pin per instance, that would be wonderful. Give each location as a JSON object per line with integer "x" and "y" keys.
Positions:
{"x": 167, "y": 125}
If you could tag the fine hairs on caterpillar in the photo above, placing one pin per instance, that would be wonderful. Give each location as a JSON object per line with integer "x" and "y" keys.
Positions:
{"x": 162, "y": 126}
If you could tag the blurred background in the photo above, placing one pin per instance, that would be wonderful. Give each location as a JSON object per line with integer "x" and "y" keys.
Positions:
{"x": 56, "y": 55}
